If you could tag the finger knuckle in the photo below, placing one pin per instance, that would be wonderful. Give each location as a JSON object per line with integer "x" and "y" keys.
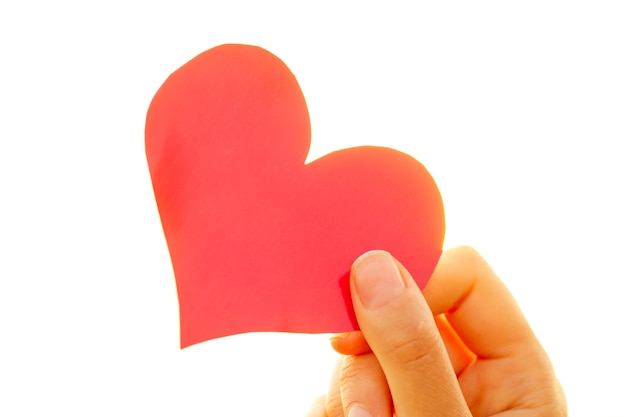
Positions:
{"x": 334, "y": 407}
{"x": 468, "y": 255}
{"x": 351, "y": 370}
{"x": 415, "y": 347}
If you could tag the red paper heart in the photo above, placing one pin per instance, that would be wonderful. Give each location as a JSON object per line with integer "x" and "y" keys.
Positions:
{"x": 260, "y": 241}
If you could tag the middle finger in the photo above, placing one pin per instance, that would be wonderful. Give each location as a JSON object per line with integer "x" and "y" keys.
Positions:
{"x": 358, "y": 384}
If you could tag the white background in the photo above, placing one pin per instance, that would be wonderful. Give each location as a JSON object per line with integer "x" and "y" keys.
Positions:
{"x": 517, "y": 110}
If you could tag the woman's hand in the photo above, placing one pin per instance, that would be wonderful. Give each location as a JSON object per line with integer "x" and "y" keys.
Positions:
{"x": 461, "y": 347}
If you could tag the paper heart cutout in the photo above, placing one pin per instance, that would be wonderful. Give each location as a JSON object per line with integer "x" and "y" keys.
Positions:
{"x": 259, "y": 241}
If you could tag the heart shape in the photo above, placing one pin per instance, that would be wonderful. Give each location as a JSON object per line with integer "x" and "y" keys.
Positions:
{"x": 259, "y": 241}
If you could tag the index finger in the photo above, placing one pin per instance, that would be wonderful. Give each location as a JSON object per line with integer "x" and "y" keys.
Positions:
{"x": 478, "y": 305}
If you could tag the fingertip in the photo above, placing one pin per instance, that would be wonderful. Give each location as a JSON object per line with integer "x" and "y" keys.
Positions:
{"x": 376, "y": 280}
{"x": 367, "y": 255}
{"x": 350, "y": 343}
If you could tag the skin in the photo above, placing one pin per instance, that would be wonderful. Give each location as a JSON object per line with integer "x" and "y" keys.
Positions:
{"x": 460, "y": 347}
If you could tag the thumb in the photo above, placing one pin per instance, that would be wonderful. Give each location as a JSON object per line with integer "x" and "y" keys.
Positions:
{"x": 400, "y": 328}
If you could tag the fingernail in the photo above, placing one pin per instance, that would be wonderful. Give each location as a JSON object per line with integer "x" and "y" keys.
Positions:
{"x": 358, "y": 411}
{"x": 376, "y": 279}
{"x": 340, "y": 336}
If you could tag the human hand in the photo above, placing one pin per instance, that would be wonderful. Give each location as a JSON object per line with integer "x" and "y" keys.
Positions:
{"x": 462, "y": 347}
